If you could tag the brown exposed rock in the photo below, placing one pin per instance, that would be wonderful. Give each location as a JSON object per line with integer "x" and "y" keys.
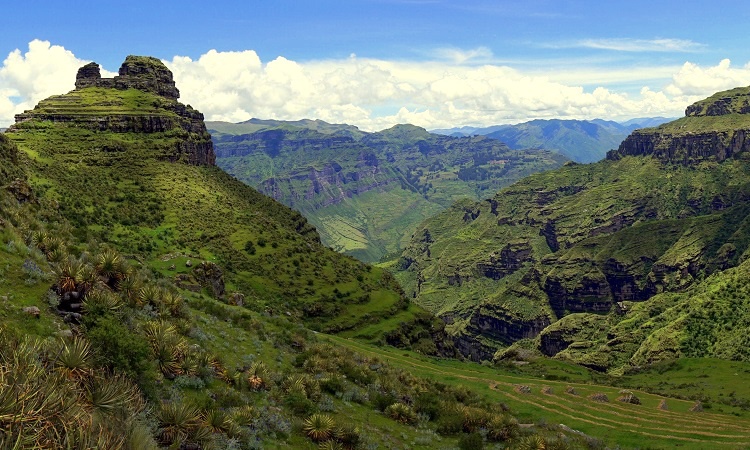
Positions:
{"x": 32, "y": 311}
{"x": 144, "y": 73}
{"x": 508, "y": 260}
{"x": 21, "y": 190}
{"x": 210, "y": 276}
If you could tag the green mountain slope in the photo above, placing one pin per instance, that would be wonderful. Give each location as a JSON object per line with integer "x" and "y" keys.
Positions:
{"x": 134, "y": 168}
{"x": 365, "y": 192}
{"x": 113, "y": 334}
{"x": 662, "y": 213}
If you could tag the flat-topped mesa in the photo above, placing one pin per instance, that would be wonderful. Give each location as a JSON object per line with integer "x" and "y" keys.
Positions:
{"x": 713, "y": 129}
{"x": 144, "y": 73}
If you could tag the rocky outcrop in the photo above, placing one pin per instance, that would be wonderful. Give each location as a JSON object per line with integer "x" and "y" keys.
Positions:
{"x": 163, "y": 115}
{"x": 508, "y": 260}
{"x": 688, "y": 148}
{"x": 144, "y": 73}
{"x": 501, "y": 326}
{"x": 703, "y": 135}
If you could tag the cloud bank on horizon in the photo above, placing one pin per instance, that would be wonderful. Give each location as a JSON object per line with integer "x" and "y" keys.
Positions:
{"x": 455, "y": 88}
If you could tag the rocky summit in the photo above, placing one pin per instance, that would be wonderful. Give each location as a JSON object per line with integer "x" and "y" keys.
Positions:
{"x": 144, "y": 73}
{"x": 141, "y": 99}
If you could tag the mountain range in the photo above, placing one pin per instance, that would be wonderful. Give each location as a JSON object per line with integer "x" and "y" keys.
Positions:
{"x": 583, "y": 141}
{"x": 366, "y": 192}
{"x": 150, "y": 300}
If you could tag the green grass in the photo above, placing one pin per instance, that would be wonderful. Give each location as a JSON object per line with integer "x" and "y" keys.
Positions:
{"x": 625, "y": 425}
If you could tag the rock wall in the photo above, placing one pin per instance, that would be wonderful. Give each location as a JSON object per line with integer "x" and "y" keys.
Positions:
{"x": 687, "y": 149}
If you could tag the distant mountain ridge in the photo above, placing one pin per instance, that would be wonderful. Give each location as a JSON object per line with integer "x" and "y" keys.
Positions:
{"x": 365, "y": 192}
{"x": 582, "y": 141}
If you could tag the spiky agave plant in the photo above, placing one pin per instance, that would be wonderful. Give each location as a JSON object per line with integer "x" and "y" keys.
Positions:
{"x": 106, "y": 395}
{"x": 129, "y": 287}
{"x": 67, "y": 275}
{"x": 99, "y": 302}
{"x": 169, "y": 348}
{"x": 74, "y": 358}
{"x": 111, "y": 267}
{"x": 38, "y": 407}
{"x": 150, "y": 295}
{"x": 217, "y": 421}
{"x": 257, "y": 375}
{"x": 177, "y": 421}
{"x": 402, "y": 413}
{"x": 173, "y": 304}
{"x": 319, "y": 427}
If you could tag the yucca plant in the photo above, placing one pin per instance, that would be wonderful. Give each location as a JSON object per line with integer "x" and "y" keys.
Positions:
{"x": 112, "y": 393}
{"x": 173, "y": 304}
{"x": 38, "y": 407}
{"x": 217, "y": 421}
{"x": 168, "y": 358}
{"x": 534, "y": 442}
{"x": 150, "y": 295}
{"x": 319, "y": 427}
{"x": 177, "y": 421}
{"x": 402, "y": 413}
{"x": 74, "y": 358}
{"x": 111, "y": 267}
{"x": 67, "y": 275}
{"x": 130, "y": 287}
{"x": 257, "y": 375}
{"x": 331, "y": 445}
{"x": 349, "y": 436}
{"x": 502, "y": 427}
{"x": 99, "y": 302}
{"x": 243, "y": 415}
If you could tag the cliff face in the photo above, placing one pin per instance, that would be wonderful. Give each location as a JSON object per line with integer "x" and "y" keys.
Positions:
{"x": 141, "y": 99}
{"x": 713, "y": 129}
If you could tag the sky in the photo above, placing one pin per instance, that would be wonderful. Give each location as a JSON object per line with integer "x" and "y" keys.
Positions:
{"x": 376, "y": 63}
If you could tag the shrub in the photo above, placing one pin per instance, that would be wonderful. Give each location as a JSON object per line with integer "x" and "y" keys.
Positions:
{"x": 401, "y": 413}
{"x": 119, "y": 348}
{"x": 471, "y": 441}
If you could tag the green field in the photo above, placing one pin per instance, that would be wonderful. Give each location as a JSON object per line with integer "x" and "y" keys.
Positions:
{"x": 617, "y": 423}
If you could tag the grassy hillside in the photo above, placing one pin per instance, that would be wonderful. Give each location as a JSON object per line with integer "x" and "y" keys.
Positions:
{"x": 365, "y": 192}
{"x": 148, "y": 300}
{"x": 566, "y": 253}
{"x": 592, "y": 404}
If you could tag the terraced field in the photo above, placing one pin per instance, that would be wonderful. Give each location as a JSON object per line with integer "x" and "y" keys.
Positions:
{"x": 658, "y": 422}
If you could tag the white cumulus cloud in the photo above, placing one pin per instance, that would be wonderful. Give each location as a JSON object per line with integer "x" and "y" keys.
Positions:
{"x": 455, "y": 89}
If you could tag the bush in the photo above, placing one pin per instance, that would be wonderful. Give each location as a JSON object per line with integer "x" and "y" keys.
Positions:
{"x": 472, "y": 441}
{"x": 119, "y": 348}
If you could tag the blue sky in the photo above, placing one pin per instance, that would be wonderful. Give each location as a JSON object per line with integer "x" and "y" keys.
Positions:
{"x": 431, "y": 62}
